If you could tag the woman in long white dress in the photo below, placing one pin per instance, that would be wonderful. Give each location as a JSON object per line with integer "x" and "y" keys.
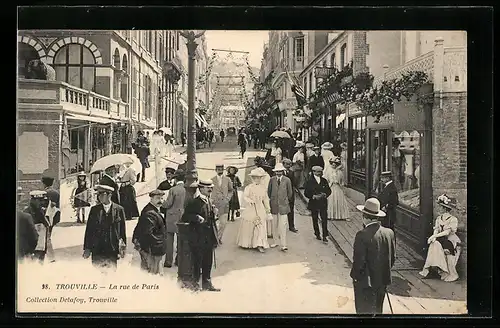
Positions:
{"x": 338, "y": 208}
{"x": 444, "y": 244}
{"x": 326, "y": 151}
{"x": 253, "y": 231}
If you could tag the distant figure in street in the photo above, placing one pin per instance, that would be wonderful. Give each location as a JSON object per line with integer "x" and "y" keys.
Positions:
{"x": 141, "y": 148}
{"x": 105, "y": 236}
{"x": 81, "y": 200}
{"x": 27, "y": 236}
{"x": 127, "y": 192}
{"x": 373, "y": 258}
{"x": 222, "y": 134}
{"x": 280, "y": 192}
{"x": 242, "y": 142}
{"x": 183, "y": 138}
{"x": 110, "y": 179}
{"x": 221, "y": 195}
{"x": 150, "y": 234}
{"x": 389, "y": 200}
{"x": 262, "y": 138}
{"x": 200, "y": 213}
{"x": 317, "y": 191}
{"x": 173, "y": 208}
{"x": 287, "y": 163}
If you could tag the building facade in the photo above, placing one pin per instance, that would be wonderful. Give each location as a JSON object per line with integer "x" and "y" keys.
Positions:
{"x": 423, "y": 145}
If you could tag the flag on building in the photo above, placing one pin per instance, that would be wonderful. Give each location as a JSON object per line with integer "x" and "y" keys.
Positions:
{"x": 65, "y": 146}
{"x": 297, "y": 90}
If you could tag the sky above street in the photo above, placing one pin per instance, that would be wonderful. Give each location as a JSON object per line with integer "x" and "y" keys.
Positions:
{"x": 251, "y": 41}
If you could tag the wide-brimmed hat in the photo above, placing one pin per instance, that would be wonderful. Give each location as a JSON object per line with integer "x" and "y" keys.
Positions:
{"x": 258, "y": 172}
{"x": 371, "y": 208}
{"x": 279, "y": 167}
{"x": 447, "y": 201}
{"x": 327, "y": 145}
{"x": 104, "y": 188}
{"x": 38, "y": 194}
{"x": 232, "y": 167}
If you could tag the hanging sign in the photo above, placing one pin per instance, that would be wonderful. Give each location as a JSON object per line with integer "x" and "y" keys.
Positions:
{"x": 323, "y": 72}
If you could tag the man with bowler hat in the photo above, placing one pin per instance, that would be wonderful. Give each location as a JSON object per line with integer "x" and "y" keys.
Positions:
{"x": 173, "y": 208}
{"x": 317, "y": 191}
{"x": 373, "y": 258}
{"x": 389, "y": 199}
{"x": 105, "y": 237}
{"x": 201, "y": 214}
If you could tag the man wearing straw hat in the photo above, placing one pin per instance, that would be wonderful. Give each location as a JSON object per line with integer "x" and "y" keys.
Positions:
{"x": 373, "y": 258}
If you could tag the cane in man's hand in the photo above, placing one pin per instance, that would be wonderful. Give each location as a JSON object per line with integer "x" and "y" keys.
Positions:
{"x": 389, "y": 300}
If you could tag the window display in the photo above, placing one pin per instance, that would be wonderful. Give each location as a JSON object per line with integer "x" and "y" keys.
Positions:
{"x": 358, "y": 160}
{"x": 406, "y": 167}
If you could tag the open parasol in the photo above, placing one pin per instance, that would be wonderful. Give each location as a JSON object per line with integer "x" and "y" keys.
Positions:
{"x": 280, "y": 134}
{"x": 110, "y": 160}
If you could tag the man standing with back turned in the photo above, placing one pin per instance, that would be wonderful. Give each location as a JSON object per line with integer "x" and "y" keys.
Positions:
{"x": 374, "y": 256}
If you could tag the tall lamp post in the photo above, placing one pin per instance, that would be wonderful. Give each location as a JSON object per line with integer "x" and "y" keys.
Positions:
{"x": 191, "y": 174}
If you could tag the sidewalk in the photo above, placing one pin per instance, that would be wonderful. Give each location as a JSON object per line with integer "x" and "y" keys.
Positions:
{"x": 406, "y": 280}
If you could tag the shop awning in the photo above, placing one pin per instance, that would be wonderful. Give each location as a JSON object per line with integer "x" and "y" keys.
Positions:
{"x": 204, "y": 120}
{"x": 92, "y": 119}
{"x": 339, "y": 119}
{"x": 198, "y": 119}
{"x": 139, "y": 125}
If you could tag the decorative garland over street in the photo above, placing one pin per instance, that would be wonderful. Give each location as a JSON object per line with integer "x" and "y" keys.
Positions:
{"x": 203, "y": 78}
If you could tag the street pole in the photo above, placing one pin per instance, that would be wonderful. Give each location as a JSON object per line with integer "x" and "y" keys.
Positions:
{"x": 191, "y": 174}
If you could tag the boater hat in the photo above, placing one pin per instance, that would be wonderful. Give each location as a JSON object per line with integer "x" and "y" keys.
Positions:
{"x": 279, "y": 167}
{"x": 82, "y": 174}
{"x": 170, "y": 170}
{"x": 371, "y": 208}
{"x": 38, "y": 194}
{"x": 386, "y": 174}
{"x": 205, "y": 183}
{"x": 104, "y": 188}
{"x": 327, "y": 145}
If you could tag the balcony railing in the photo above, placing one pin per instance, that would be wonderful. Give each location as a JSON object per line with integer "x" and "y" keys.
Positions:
{"x": 72, "y": 98}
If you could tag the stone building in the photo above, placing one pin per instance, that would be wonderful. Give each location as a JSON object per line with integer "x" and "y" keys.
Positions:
{"x": 106, "y": 88}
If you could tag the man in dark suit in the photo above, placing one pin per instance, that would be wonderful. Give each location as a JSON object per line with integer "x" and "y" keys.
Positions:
{"x": 200, "y": 213}
{"x": 317, "y": 191}
{"x": 168, "y": 182}
{"x": 373, "y": 258}
{"x": 287, "y": 163}
{"x": 316, "y": 159}
{"x": 150, "y": 234}
{"x": 389, "y": 200}
{"x": 109, "y": 179}
{"x": 105, "y": 237}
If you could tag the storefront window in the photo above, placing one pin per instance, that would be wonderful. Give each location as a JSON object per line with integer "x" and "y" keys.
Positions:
{"x": 358, "y": 160}
{"x": 380, "y": 156}
{"x": 406, "y": 167}
{"x": 77, "y": 146}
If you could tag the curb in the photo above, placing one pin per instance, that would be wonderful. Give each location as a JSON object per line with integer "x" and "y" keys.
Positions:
{"x": 305, "y": 200}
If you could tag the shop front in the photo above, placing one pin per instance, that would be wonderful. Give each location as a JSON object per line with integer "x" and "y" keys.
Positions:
{"x": 356, "y": 152}
{"x": 402, "y": 143}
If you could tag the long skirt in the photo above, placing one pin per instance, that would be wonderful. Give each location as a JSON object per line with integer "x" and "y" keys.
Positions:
{"x": 129, "y": 202}
{"x": 338, "y": 208}
{"x": 234, "y": 203}
{"x": 251, "y": 235}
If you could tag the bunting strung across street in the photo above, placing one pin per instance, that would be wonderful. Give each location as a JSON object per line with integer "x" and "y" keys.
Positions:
{"x": 203, "y": 78}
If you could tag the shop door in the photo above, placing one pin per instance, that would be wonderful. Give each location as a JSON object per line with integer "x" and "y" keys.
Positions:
{"x": 379, "y": 146}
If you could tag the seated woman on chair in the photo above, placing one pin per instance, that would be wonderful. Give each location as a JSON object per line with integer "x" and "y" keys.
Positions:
{"x": 444, "y": 245}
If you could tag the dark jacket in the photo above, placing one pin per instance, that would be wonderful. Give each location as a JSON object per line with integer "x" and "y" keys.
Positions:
{"x": 315, "y": 160}
{"x": 27, "y": 236}
{"x": 389, "y": 199}
{"x": 374, "y": 256}
{"x": 151, "y": 232}
{"x": 107, "y": 181}
{"x": 103, "y": 233}
{"x": 201, "y": 234}
{"x": 313, "y": 188}
{"x": 165, "y": 185}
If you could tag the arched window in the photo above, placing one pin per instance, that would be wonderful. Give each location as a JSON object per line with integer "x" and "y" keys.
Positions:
{"x": 116, "y": 59}
{"x": 75, "y": 64}
{"x": 26, "y": 54}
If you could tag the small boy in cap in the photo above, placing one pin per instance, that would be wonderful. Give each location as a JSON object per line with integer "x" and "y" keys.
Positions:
{"x": 150, "y": 234}
{"x": 105, "y": 236}
{"x": 317, "y": 191}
